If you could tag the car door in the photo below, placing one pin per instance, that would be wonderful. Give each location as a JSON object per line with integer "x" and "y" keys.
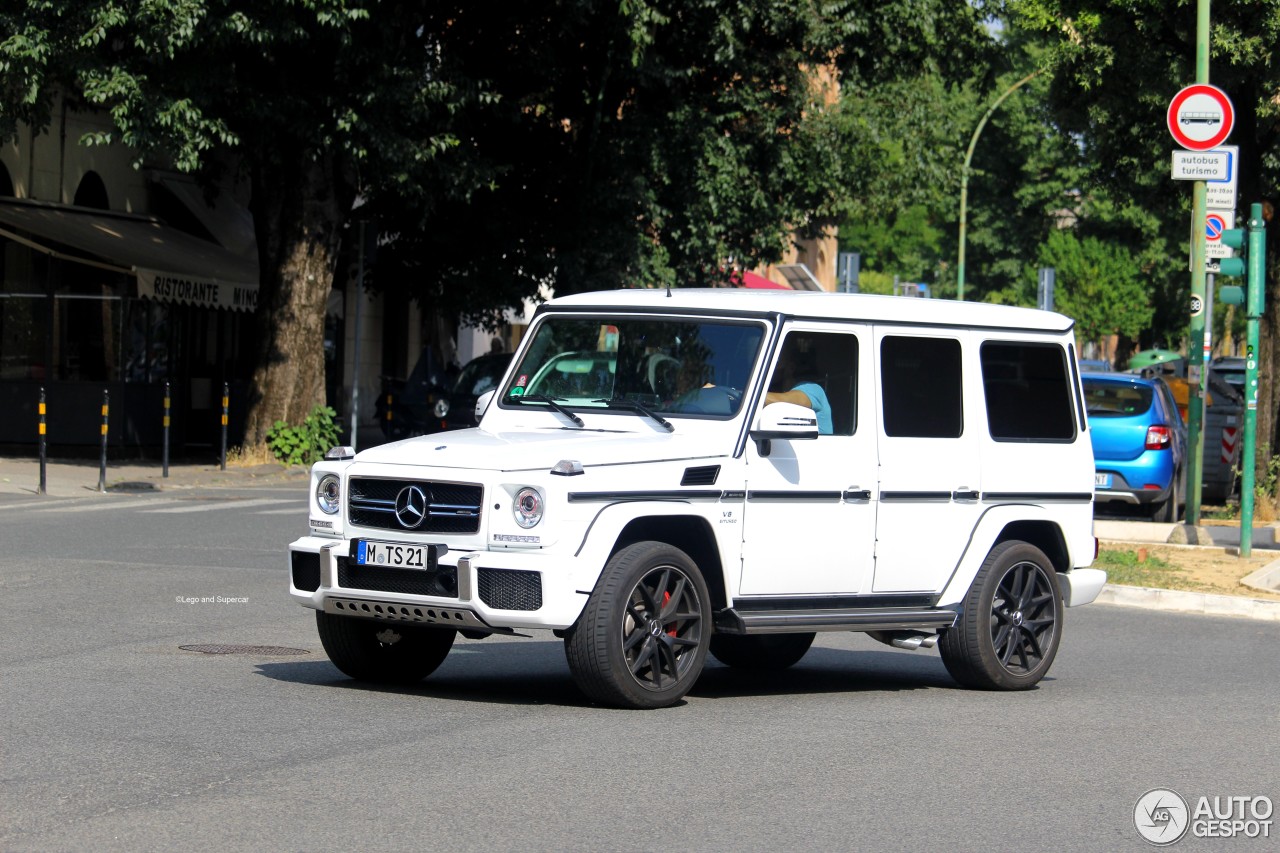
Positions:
{"x": 930, "y": 483}
{"x": 809, "y": 524}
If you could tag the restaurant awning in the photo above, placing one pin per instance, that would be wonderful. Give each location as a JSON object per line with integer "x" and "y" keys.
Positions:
{"x": 756, "y": 281}
{"x": 170, "y": 265}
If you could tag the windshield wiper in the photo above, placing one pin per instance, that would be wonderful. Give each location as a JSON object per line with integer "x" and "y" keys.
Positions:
{"x": 623, "y": 403}
{"x": 550, "y": 401}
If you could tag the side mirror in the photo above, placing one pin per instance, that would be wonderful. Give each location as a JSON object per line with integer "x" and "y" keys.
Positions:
{"x": 483, "y": 401}
{"x": 785, "y": 421}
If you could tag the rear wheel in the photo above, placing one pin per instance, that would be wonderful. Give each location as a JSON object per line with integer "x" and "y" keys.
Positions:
{"x": 1167, "y": 510}
{"x": 641, "y": 640}
{"x": 381, "y": 652}
{"x": 1009, "y": 631}
{"x": 760, "y": 651}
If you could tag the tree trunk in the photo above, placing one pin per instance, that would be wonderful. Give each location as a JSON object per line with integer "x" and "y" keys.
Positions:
{"x": 299, "y": 209}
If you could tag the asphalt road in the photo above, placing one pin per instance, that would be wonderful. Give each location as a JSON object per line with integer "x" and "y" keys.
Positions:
{"x": 116, "y": 738}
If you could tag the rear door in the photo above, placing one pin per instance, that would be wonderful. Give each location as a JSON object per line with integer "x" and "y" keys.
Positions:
{"x": 930, "y": 468}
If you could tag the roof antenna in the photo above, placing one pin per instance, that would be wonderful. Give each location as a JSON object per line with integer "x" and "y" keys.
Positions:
{"x": 668, "y": 289}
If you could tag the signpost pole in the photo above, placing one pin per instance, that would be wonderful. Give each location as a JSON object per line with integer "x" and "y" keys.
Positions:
{"x": 1195, "y": 335}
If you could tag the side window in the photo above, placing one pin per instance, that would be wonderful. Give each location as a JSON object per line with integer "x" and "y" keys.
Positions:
{"x": 920, "y": 386}
{"x": 1028, "y": 392}
{"x": 828, "y": 360}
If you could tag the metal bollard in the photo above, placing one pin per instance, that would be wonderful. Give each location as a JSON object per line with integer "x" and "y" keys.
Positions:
{"x": 43, "y": 479}
{"x": 165, "y": 467}
{"x": 102, "y": 469}
{"x": 225, "y": 408}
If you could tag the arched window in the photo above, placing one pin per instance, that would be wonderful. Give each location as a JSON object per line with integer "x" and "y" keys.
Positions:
{"x": 92, "y": 192}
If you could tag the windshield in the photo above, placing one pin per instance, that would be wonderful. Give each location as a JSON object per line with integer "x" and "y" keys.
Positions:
{"x": 669, "y": 366}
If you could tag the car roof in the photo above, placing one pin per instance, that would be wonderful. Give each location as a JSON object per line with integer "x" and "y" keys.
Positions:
{"x": 1121, "y": 378}
{"x": 816, "y": 304}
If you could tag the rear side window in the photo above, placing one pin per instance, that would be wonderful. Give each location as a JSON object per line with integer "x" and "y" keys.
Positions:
{"x": 1028, "y": 392}
{"x": 920, "y": 385}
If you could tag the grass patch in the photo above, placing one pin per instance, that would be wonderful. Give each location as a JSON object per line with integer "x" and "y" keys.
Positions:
{"x": 1137, "y": 568}
{"x": 247, "y": 457}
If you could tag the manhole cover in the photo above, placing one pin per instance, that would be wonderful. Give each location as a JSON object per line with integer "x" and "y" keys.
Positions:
{"x": 232, "y": 649}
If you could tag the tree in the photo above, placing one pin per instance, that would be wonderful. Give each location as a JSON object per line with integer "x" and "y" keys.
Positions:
{"x": 1099, "y": 284}
{"x": 498, "y": 148}
{"x": 1117, "y": 65}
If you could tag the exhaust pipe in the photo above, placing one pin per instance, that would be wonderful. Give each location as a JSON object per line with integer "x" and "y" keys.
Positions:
{"x": 910, "y": 640}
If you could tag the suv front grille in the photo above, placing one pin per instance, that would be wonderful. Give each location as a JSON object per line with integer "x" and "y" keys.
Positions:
{"x": 450, "y": 507}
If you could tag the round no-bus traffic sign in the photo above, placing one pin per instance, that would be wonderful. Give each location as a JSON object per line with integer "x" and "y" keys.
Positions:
{"x": 1200, "y": 117}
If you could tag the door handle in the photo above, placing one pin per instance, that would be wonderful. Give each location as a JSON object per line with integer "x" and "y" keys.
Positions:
{"x": 964, "y": 494}
{"x": 853, "y": 493}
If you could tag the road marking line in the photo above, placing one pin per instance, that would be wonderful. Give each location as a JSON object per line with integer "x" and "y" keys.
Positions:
{"x": 112, "y": 504}
{"x": 215, "y": 505}
{"x": 288, "y": 511}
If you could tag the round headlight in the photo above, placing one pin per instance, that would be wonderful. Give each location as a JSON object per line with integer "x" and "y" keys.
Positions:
{"x": 528, "y": 507}
{"x": 442, "y": 408}
{"x": 329, "y": 493}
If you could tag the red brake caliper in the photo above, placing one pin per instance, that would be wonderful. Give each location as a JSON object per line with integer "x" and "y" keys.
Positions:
{"x": 666, "y": 599}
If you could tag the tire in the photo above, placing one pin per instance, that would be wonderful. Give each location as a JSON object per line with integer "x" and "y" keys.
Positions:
{"x": 760, "y": 652}
{"x": 1008, "y": 632}
{"x": 618, "y": 652}
{"x": 1167, "y": 510}
{"x": 383, "y": 652}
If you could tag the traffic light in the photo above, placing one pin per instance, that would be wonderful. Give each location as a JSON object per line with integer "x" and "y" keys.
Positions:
{"x": 1252, "y": 260}
{"x": 1236, "y": 238}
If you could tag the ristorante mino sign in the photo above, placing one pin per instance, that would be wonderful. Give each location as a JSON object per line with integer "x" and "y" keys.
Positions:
{"x": 168, "y": 287}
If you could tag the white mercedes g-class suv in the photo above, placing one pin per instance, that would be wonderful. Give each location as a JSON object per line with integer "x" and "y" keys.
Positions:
{"x": 664, "y": 474}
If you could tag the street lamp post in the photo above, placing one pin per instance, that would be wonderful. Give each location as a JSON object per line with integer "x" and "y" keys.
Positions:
{"x": 964, "y": 173}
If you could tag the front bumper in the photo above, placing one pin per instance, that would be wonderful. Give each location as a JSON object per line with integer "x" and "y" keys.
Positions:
{"x": 481, "y": 591}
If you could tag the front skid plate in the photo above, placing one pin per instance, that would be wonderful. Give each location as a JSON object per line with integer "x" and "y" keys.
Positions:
{"x": 450, "y": 617}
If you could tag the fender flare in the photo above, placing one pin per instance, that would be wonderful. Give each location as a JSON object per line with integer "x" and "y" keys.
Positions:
{"x": 988, "y": 532}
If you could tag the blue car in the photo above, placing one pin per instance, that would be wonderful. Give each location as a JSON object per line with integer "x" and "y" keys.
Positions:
{"x": 1139, "y": 443}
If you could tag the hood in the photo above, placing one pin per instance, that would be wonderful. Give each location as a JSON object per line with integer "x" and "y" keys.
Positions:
{"x": 537, "y": 449}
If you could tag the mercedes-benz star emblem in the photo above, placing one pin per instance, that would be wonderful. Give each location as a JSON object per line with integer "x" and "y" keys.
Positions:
{"x": 411, "y": 506}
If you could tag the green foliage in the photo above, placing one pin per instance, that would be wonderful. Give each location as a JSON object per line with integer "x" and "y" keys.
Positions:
{"x": 1099, "y": 284}
{"x": 307, "y": 442}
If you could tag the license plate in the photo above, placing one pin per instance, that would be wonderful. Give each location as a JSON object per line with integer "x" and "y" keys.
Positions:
{"x": 1101, "y": 481}
{"x": 395, "y": 555}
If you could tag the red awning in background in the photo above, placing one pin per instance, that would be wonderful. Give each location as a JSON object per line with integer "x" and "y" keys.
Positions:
{"x": 759, "y": 282}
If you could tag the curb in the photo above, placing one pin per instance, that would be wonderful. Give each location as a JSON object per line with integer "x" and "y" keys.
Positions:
{"x": 1193, "y": 602}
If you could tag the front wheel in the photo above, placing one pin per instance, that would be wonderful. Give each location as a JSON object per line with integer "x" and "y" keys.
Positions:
{"x": 380, "y": 652}
{"x": 641, "y": 640}
{"x": 1009, "y": 631}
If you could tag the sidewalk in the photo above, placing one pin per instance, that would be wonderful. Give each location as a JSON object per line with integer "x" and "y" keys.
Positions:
{"x": 1203, "y": 536}
{"x": 78, "y": 478}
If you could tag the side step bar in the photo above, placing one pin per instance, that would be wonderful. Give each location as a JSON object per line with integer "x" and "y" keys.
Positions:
{"x": 731, "y": 621}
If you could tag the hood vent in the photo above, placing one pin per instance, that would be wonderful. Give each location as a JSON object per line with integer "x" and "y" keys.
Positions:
{"x": 704, "y": 476}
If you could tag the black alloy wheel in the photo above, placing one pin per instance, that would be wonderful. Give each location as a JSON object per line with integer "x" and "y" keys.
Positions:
{"x": 1008, "y": 634}
{"x": 641, "y": 641}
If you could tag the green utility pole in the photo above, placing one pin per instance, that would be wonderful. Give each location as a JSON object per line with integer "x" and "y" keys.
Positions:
{"x": 964, "y": 173}
{"x": 1255, "y": 297}
{"x": 1195, "y": 343}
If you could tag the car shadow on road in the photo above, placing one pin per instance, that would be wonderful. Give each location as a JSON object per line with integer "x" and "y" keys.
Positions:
{"x": 525, "y": 673}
